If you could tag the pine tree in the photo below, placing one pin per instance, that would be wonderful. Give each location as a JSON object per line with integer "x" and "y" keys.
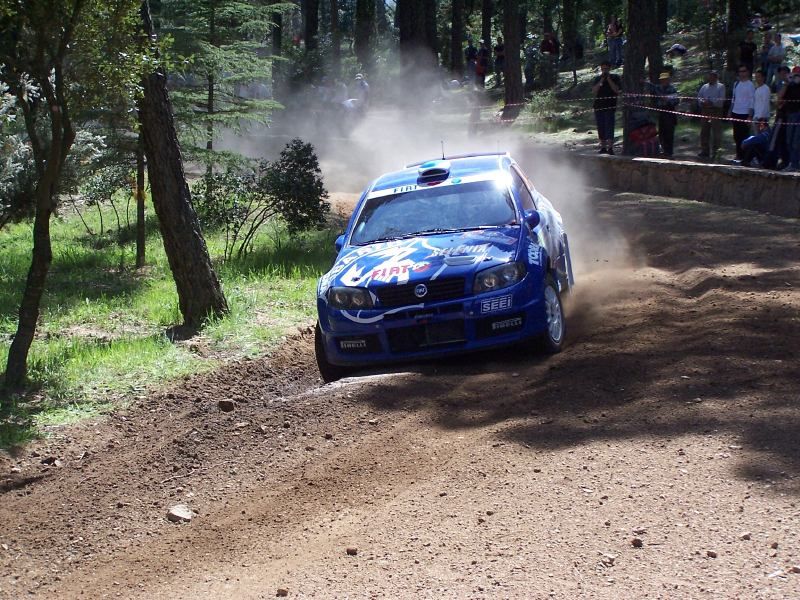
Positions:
{"x": 457, "y": 39}
{"x": 224, "y": 68}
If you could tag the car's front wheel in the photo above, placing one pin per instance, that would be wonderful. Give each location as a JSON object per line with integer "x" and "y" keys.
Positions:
{"x": 329, "y": 372}
{"x": 552, "y": 338}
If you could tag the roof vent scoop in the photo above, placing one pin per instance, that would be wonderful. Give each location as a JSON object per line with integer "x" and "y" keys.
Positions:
{"x": 434, "y": 171}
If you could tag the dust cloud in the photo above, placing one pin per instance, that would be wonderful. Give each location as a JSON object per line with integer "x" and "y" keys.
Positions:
{"x": 411, "y": 121}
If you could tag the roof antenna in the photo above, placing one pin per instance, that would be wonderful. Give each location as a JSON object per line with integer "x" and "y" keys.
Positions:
{"x": 442, "y": 149}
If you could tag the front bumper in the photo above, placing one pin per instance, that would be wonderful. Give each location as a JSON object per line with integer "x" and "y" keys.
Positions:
{"x": 437, "y": 329}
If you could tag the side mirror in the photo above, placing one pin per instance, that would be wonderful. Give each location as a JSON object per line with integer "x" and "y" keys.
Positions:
{"x": 532, "y": 218}
{"x": 339, "y": 243}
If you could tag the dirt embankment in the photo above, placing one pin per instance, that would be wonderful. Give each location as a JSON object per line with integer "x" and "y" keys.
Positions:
{"x": 657, "y": 456}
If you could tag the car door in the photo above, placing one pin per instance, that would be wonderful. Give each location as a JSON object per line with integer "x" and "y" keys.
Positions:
{"x": 547, "y": 229}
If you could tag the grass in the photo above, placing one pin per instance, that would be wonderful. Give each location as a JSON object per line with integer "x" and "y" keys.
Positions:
{"x": 101, "y": 338}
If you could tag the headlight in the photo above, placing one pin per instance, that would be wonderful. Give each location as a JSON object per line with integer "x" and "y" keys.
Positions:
{"x": 498, "y": 277}
{"x": 349, "y": 298}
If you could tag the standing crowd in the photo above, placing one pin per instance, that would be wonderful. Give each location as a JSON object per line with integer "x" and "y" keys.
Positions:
{"x": 541, "y": 61}
{"x": 763, "y": 83}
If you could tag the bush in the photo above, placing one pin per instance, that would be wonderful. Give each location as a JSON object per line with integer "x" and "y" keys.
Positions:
{"x": 241, "y": 201}
{"x": 294, "y": 182}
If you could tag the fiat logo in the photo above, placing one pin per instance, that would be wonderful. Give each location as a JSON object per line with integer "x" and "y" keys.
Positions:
{"x": 420, "y": 290}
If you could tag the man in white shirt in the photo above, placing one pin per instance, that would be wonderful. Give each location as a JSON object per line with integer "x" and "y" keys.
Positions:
{"x": 761, "y": 98}
{"x": 711, "y": 99}
{"x": 742, "y": 102}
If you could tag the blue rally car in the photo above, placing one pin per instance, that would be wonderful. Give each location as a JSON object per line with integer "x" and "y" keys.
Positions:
{"x": 445, "y": 256}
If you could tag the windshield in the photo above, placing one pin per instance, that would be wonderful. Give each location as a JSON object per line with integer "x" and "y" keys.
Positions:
{"x": 433, "y": 210}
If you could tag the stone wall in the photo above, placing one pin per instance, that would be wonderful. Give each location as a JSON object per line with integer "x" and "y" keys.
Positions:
{"x": 755, "y": 189}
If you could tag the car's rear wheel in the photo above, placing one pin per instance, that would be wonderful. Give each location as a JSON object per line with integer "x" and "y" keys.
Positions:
{"x": 329, "y": 372}
{"x": 552, "y": 338}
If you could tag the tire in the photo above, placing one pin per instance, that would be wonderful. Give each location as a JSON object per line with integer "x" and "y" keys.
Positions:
{"x": 551, "y": 340}
{"x": 327, "y": 371}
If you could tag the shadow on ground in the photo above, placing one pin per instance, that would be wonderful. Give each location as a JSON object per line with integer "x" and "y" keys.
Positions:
{"x": 700, "y": 341}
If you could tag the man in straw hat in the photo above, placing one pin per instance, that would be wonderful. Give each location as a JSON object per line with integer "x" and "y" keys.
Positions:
{"x": 666, "y": 100}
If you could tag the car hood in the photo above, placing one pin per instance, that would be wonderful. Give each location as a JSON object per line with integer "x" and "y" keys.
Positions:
{"x": 422, "y": 258}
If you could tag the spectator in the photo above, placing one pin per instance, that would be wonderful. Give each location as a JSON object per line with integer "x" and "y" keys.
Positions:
{"x": 606, "y": 88}
{"x": 742, "y": 107}
{"x": 676, "y": 50}
{"x": 747, "y": 51}
{"x": 781, "y": 79}
{"x": 550, "y": 49}
{"x": 764, "y": 52}
{"x": 775, "y": 57}
{"x": 499, "y": 61}
{"x": 789, "y": 102}
{"x": 756, "y": 148}
{"x": 666, "y": 101}
{"x": 550, "y": 44}
{"x": 780, "y": 139}
{"x": 614, "y": 33}
{"x": 482, "y": 66}
{"x": 761, "y": 98}
{"x": 361, "y": 90}
{"x": 711, "y": 100}
{"x": 532, "y": 57}
{"x": 471, "y": 57}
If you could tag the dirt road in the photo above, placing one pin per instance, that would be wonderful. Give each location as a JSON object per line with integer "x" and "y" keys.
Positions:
{"x": 658, "y": 456}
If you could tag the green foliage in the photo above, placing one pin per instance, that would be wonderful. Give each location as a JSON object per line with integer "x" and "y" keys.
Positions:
{"x": 241, "y": 201}
{"x": 231, "y": 201}
{"x": 79, "y": 57}
{"x": 17, "y": 176}
{"x": 87, "y": 45}
{"x": 295, "y": 182}
{"x": 223, "y": 67}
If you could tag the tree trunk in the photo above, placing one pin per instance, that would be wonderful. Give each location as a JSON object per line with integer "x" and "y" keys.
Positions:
{"x": 642, "y": 44}
{"x": 61, "y": 140}
{"x": 199, "y": 292}
{"x": 380, "y": 11}
{"x": 569, "y": 27}
{"x": 662, "y": 8}
{"x": 336, "y": 40}
{"x": 311, "y": 24}
{"x": 364, "y": 28}
{"x": 210, "y": 141}
{"x": 512, "y": 71}
{"x": 457, "y": 39}
{"x": 17, "y": 364}
{"x": 212, "y": 39}
{"x": 49, "y": 164}
{"x": 569, "y": 31}
{"x": 416, "y": 51}
{"x": 737, "y": 27}
{"x": 487, "y": 11}
{"x": 431, "y": 33}
{"x": 277, "y": 50}
{"x": 547, "y": 15}
{"x": 140, "y": 229}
